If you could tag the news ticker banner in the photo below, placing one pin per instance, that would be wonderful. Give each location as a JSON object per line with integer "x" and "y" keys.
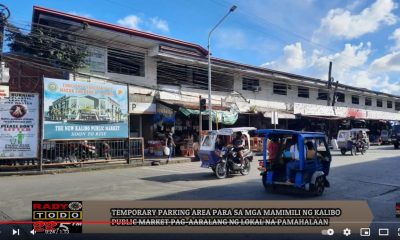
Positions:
{"x": 63, "y": 217}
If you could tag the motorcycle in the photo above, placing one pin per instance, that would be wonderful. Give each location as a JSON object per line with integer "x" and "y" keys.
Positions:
{"x": 230, "y": 163}
{"x": 359, "y": 146}
{"x": 225, "y": 161}
{"x": 87, "y": 151}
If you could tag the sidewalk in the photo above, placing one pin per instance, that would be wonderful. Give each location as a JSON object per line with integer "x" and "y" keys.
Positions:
{"x": 148, "y": 161}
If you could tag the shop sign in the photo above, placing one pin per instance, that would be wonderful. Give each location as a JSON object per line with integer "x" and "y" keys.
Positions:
{"x": 142, "y": 108}
{"x": 343, "y": 112}
{"x": 19, "y": 114}
{"x": 84, "y": 110}
{"x": 141, "y": 104}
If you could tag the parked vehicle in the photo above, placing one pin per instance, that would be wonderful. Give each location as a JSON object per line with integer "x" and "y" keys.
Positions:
{"x": 313, "y": 164}
{"x": 345, "y": 140}
{"x": 385, "y": 136}
{"x": 395, "y": 138}
{"x": 225, "y": 161}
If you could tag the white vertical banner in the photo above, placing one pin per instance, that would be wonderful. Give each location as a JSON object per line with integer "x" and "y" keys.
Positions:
{"x": 19, "y": 116}
{"x": 274, "y": 118}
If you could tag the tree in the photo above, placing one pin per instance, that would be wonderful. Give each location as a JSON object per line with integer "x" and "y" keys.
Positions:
{"x": 53, "y": 46}
{"x": 55, "y": 113}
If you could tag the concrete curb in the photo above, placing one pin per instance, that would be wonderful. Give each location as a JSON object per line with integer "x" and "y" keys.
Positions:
{"x": 100, "y": 166}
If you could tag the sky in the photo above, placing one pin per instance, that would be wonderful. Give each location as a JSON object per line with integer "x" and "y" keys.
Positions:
{"x": 360, "y": 37}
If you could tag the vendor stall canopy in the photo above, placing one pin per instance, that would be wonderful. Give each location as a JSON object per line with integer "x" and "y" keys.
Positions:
{"x": 224, "y": 117}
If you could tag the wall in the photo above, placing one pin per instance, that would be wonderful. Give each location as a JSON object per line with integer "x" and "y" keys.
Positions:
{"x": 264, "y": 100}
{"x": 267, "y": 99}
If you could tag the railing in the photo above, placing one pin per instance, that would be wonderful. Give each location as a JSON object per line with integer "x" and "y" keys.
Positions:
{"x": 78, "y": 153}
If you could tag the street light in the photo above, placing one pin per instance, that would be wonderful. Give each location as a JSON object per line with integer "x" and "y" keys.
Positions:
{"x": 209, "y": 66}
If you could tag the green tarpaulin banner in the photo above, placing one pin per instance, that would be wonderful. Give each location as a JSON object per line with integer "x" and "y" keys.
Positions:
{"x": 223, "y": 117}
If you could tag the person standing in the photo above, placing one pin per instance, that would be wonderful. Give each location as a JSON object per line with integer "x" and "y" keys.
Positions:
{"x": 169, "y": 143}
{"x": 273, "y": 149}
{"x": 106, "y": 151}
{"x": 295, "y": 163}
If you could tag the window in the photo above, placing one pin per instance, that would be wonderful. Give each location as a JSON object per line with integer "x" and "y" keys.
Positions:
{"x": 355, "y": 99}
{"x": 322, "y": 94}
{"x": 124, "y": 62}
{"x": 379, "y": 102}
{"x": 397, "y": 106}
{"x": 303, "y": 92}
{"x": 368, "y": 102}
{"x": 280, "y": 89}
{"x": 220, "y": 81}
{"x": 340, "y": 97}
{"x": 389, "y": 104}
{"x": 193, "y": 77}
{"x": 250, "y": 84}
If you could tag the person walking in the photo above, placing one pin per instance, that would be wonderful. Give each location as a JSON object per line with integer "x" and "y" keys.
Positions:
{"x": 170, "y": 144}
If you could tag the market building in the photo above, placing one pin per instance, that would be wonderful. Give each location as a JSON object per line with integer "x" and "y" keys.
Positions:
{"x": 85, "y": 108}
{"x": 166, "y": 77}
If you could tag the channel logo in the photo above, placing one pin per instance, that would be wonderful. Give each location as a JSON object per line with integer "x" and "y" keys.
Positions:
{"x": 57, "y": 217}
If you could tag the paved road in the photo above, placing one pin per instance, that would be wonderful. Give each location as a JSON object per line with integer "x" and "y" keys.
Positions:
{"x": 374, "y": 177}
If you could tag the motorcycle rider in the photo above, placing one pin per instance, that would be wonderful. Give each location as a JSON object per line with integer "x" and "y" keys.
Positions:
{"x": 360, "y": 140}
{"x": 238, "y": 145}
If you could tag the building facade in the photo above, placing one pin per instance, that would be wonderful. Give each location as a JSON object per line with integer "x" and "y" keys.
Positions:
{"x": 163, "y": 72}
{"x": 85, "y": 108}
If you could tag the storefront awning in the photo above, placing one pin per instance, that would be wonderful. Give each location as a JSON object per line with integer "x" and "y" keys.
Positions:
{"x": 175, "y": 104}
{"x": 224, "y": 117}
{"x": 323, "y": 117}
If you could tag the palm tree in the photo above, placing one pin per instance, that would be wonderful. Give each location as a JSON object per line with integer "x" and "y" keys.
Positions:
{"x": 55, "y": 113}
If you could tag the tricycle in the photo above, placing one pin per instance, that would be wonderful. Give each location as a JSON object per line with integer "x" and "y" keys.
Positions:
{"x": 294, "y": 160}
{"x": 220, "y": 151}
{"x": 346, "y": 141}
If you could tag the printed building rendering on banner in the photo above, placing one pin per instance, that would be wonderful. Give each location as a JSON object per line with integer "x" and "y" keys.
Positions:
{"x": 84, "y": 110}
{"x": 19, "y": 115}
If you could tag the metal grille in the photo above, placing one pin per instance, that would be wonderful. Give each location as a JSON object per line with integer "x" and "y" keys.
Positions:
{"x": 59, "y": 153}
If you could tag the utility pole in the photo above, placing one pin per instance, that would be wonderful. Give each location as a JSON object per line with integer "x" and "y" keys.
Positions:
{"x": 4, "y": 15}
{"x": 329, "y": 84}
{"x": 334, "y": 93}
{"x": 209, "y": 66}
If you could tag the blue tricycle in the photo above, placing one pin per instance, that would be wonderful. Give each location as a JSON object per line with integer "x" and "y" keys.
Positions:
{"x": 294, "y": 160}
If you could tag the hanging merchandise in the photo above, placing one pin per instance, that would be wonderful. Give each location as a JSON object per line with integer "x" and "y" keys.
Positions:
{"x": 169, "y": 120}
{"x": 157, "y": 118}
{"x": 224, "y": 117}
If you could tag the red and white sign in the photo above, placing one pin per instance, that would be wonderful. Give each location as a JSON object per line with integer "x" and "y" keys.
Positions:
{"x": 342, "y": 112}
{"x": 4, "y": 91}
